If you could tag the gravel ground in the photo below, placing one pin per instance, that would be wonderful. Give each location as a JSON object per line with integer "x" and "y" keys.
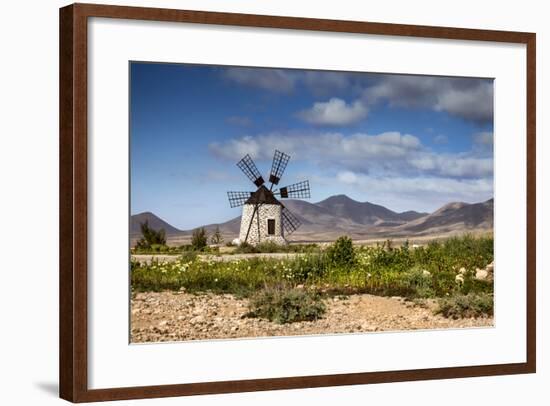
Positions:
{"x": 178, "y": 316}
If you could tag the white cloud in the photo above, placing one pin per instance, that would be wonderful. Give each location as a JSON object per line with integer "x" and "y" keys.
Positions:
{"x": 355, "y": 150}
{"x": 326, "y": 83}
{"x": 470, "y": 99}
{"x": 347, "y": 177}
{"x": 390, "y": 153}
{"x": 421, "y": 193}
{"x": 335, "y": 112}
{"x": 456, "y": 165}
{"x": 467, "y": 98}
{"x": 418, "y": 184}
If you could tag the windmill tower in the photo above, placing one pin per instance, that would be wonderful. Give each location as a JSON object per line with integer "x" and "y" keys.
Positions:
{"x": 264, "y": 217}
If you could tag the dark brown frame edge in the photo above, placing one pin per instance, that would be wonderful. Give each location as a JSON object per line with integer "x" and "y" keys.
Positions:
{"x": 73, "y": 310}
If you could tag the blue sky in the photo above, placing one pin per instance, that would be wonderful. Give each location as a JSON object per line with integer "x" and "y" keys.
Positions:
{"x": 403, "y": 141}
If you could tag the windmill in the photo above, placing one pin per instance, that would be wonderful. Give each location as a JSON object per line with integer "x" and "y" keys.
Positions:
{"x": 264, "y": 217}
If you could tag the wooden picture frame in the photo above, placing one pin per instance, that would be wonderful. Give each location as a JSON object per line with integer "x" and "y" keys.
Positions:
{"x": 73, "y": 197}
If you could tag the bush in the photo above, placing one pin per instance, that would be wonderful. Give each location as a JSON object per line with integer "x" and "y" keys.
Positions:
{"x": 342, "y": 253}
{"x": 150, "y": 237}
{"x": 463, "y": 306}
{"x": 216, "y": 236}
{"x": 270, "y": 246}
{"x": 423, "y": 272}
{"x": 302, "y": 268}
{"x": 188, "y": 256}
{"x": 287, "y": 306}
{"x": 199, "y": 240}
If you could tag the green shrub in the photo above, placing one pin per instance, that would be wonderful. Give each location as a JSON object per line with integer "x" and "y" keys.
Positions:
{"x": 464, "y": 306}
{"x": 245, "y": 248}
{"x": 199, "y": 239}
{"x": 287, "y": 306}
{"x": 342, "y": 253}
{"x": 307, "y": 267}
{"x": 188, "y": 256}
{"x": 216, "y": 237}
{"x": 150, "y": 237}
{"x": 423, "y": 272}
{"x": 270, "y": 246}
{"x": 185, "y": 247}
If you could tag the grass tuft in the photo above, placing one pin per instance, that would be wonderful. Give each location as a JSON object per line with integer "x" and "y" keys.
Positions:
{"x": 287, "y": 306}
{"x": 466, "y": 306}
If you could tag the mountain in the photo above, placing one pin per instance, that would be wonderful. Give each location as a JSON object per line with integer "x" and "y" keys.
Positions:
{"x": 231, "y": 227}
{"x": 339, "y": 215}
{"x": 154, "y": 222}
{"x": 454, "y": 216}
{"x": 365, "y": 213}
{"x": 311, "y": 214}
{"x": 411, "y": 215}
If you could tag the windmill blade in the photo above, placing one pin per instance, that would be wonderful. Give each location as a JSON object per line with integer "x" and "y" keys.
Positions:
{"x": 290, "y": 221}
{"x": 298, "y": 190}
{"x": 248, "y": 167}
{"x": 280, "y": 160}
{"x": 237, "y": 199}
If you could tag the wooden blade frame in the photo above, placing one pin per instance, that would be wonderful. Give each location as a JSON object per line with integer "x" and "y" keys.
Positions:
{"x": 298, "y": 190}
{"x": 237, "y": 199}
{"x": 249, "y": 168}
{"x": 280, "y": 161}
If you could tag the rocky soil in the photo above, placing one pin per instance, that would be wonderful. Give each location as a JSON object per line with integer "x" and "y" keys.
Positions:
{"x": 178, "y": 316}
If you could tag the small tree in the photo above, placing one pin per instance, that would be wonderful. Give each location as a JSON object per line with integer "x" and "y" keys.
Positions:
{"x": 216, "y": 236}
{"x": 150, "y": 236}
{"x": 199, "y": 240}
{"x": 342, "y": 253}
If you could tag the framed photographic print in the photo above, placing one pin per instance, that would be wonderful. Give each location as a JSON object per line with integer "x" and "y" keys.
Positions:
{"x": 256, "y": 202}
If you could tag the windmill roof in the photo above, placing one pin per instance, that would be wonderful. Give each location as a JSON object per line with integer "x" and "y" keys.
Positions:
{"x": 264, "y": 196}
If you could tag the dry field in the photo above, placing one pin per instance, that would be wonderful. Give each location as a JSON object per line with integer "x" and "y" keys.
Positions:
{"x": 179, "y": 316}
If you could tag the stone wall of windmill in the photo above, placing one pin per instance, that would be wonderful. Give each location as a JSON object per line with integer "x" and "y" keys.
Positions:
{"x": 265, "y": 214}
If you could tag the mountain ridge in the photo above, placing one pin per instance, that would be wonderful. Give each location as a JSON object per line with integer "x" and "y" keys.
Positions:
{"x": 340, "y": 214}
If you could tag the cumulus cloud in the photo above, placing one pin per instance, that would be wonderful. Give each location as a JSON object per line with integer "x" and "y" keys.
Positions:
{"x": 335, "y": 112}
{"x": 325, "y": 83}
{"x": 422, "y": 193}
{"x": 319, "y": 83}
{"x": 390, "y": 153}
{"x": 470, "y": 99}
{"x": 453, "y": 165}
{"x": 424, "y": 184}
{"x": 441, "y": 139}
{"x": 351, "y": 150}
{"x": 474, "y": 104}
{"x": 275, "y": 80}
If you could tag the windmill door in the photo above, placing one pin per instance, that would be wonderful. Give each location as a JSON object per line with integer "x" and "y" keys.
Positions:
{"x": 270, "y": 226}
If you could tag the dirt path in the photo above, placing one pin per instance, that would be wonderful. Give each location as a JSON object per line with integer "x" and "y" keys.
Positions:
{"x": 220, "y": 258}
{"x": 145, "y": 258}
{"x": 177, "y": 316}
